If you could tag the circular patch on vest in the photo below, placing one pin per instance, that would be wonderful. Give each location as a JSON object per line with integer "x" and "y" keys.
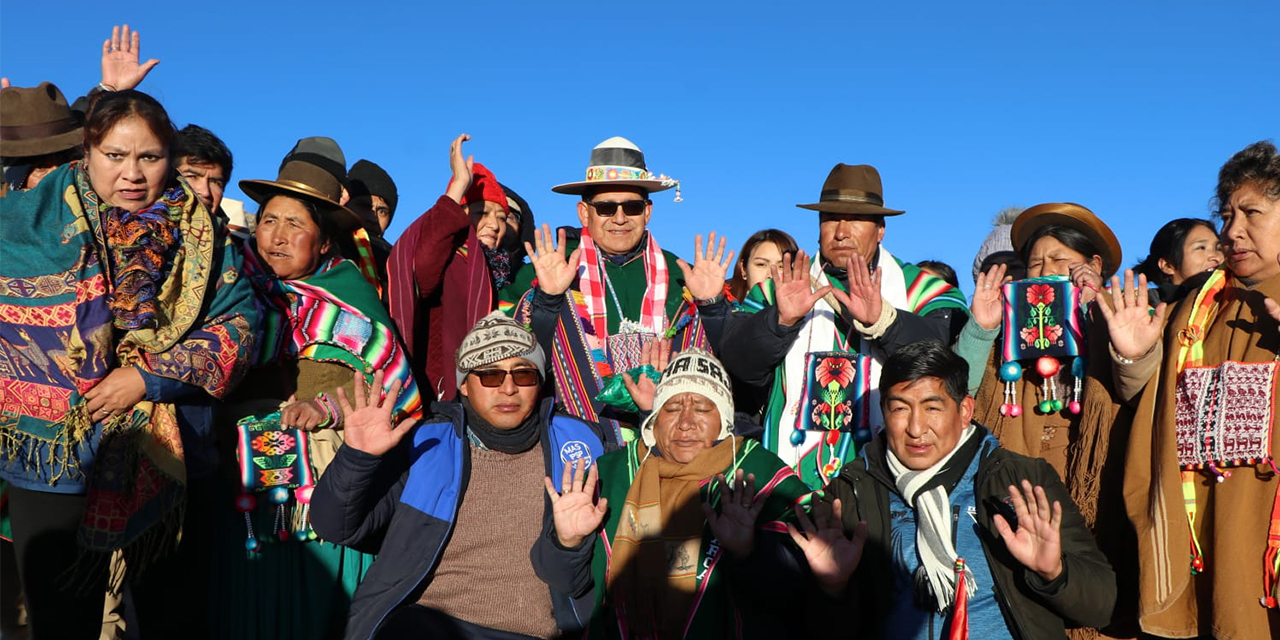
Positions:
{"x": 576, "y": 450}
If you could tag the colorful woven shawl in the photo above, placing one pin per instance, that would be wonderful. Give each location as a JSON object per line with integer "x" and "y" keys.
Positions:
{"x": 708, "y": 610}
{"x": 334, "y": 315}
{"x": 57, "y": 339}
{"x": 818, "y": 457}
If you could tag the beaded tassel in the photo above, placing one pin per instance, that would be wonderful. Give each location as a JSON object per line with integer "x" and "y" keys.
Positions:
{"x": 245, "y": 504}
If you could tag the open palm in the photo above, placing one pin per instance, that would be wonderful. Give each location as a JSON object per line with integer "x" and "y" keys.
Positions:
{"x": 792, "y": 290}
{"x": 1133, "y": 328}
{"x": 555, "y": 273}
{"x": 735, "y": 526}
{"x": 987, "y": 307}
{"x": 863, "y": 301}
{"x": 1037, "y": 543}
{"x": 574, "y": 510}
{"x": 705, "y": 279}
{"x": 832, "y": 556}
{"x": 367, "y": 422}
{"x": 120, "y": 67}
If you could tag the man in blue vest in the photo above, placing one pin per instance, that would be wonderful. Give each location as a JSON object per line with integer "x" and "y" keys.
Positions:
{"x": 458, "y": 507}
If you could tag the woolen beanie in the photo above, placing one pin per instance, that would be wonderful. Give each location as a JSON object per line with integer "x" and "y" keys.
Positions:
{"x": 1000, "y": 238}
{"x": 692, "y": 371}
{"x": 495, "y": 338}
{"x": 484, "y": 188}
{"x": 368, "y": 179}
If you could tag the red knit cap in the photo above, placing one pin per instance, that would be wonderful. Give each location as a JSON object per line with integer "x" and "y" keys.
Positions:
{"x": 484, "y": 188}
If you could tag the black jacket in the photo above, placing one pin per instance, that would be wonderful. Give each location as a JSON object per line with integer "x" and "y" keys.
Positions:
{"x": 402, "y": 506}
{"x": 1083, "y": 595}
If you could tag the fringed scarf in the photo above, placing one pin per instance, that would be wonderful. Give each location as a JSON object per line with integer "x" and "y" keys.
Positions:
{"x": 55, "y": 303}
{"x": 660, "y": 556}
{"x": 597, "y": 295}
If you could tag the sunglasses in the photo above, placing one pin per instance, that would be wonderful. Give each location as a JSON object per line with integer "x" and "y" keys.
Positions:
{"x": 607, "y": 209}
{"x": 490, "y": 378}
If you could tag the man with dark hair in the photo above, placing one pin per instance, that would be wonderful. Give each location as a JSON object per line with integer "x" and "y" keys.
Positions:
{"x": 851, "y": 308}
{"x": 205, "y": 161}
{"x": 373, "y": 192}
{"x": 952, "y": 536}
{"x": 455, "y": 506}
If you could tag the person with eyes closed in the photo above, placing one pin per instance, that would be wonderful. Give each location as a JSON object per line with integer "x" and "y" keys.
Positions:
{"x": 323, "y": 323}
{"x": 445, "y": 270}
{"x": 1084, "y": 439}
{"x": 1183, "y": 252}
{"x": 1200, "y": 473}
{"x": 127, "y": 317}
{"x": 602, "y": 293}
{"x": 456, "y": 506}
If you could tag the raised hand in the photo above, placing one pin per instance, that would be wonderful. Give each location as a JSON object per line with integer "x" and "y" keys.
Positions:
{"x": 1134, "y": 330}
{"x": 832, "y": 556}
{"x": 120, "y": 68}
{"x": 705, "y": 279}
{"x": 735, "y": 526}
{"x": 461, "y": 169}
{"x": 863, "y": 301}
{"x": 367, "y": 421}
{"x": 1089, "y": 281}
{"x": 555, "y": 274}
{"x": 574, "y": 510}
{"x": 1037, "y": 543}
{"x": 657, "y": 353}
{"x": 987, "y": 307}
{"x": 792, "y": 290}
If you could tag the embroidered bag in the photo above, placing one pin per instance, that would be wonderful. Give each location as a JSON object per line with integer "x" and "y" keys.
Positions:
{"x": 1042, "y": 323}
{"x": 274, "y": 459}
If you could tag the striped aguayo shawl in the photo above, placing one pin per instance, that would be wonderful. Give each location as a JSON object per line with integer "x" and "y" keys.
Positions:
{"x": 334, "y": 315}
{"x": 819, "y": 458}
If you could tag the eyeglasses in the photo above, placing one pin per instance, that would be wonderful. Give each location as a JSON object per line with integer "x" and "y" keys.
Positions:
{"x": 607, "y": 209}
{"x": 490, "y": 378}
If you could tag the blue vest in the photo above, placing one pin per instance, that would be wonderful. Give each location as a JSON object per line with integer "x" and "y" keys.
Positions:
{"x": 906, "y": 618}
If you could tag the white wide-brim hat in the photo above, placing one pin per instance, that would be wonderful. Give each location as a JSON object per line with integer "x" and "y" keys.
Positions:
{"x": 617, "y": 162}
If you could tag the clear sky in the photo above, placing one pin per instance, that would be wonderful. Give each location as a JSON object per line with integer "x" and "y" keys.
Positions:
{"x": 1128, "y": 108}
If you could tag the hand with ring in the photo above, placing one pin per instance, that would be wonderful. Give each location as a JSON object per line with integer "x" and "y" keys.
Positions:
{"x": 115, "y": 394}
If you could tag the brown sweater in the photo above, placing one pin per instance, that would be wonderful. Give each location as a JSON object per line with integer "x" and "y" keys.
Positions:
{"x": 484, "y": 576}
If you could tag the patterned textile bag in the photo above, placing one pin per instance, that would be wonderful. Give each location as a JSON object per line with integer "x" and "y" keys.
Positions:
{"x": 836, "y": 390}
{"x": 1042, "y": 324}
{"x": 274, "y": 459}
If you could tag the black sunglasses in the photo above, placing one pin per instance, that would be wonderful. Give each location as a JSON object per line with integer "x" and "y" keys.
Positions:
{"x": 607, "y": 209}
{"x": 491, "y": 378}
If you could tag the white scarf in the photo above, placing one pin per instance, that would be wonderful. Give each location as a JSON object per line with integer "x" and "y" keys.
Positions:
{"x": 819, "y": 334}
{"x": 933, "y": 525}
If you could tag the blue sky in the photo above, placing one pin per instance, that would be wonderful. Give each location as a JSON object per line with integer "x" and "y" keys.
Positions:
{"x": 1128, "y": 108}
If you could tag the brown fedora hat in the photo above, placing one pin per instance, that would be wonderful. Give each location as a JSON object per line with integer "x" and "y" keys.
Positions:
{"x": 306, "y": 181}
{"x": 852, "y": 188}
{"x": 35, "y": 121}
{"x": 1073, "y": 216}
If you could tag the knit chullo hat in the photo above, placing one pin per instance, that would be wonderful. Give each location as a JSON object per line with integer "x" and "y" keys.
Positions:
{"x": 693, "y": 371}
{"x": 998, "y": 239}
{"x": 495, "y": 338}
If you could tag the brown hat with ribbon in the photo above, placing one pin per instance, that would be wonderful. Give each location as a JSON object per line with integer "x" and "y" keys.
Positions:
{"x": 36, "y": 121}
{"x": 305, "y": 180}
{"x": 1074, "y": 216}
{"x": 852, "y": 188}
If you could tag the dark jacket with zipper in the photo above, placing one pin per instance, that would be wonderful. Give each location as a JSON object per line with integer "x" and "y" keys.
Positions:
{"x": 1083, "y": 595}
{"x": 402, "y": 507}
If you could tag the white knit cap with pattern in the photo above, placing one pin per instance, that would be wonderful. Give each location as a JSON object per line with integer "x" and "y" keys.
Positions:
{"x": 693, "y": 371}
{"x": 495, "y": 338}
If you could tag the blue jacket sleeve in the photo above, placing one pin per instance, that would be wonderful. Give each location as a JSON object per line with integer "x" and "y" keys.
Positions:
{"x": 356, "y": 497}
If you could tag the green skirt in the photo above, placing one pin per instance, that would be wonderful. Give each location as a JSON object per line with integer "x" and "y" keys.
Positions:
{"x": 287, "y": 590}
